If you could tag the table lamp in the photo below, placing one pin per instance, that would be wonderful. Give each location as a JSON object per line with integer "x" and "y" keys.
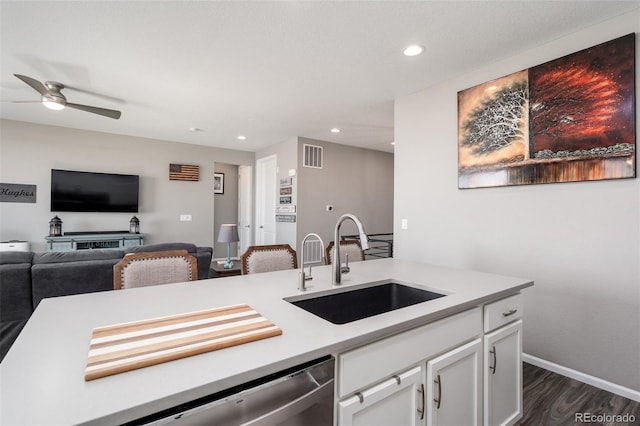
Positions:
{"x": 228, "y": 234}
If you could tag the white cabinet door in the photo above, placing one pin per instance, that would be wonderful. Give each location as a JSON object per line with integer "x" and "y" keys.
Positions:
{"x": 394, "y": 402}
{"x": 503, "y": 375}
{"x": 454, "y": 387}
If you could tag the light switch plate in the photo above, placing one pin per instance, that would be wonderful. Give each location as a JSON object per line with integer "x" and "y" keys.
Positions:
{"x": 185, "y": 218}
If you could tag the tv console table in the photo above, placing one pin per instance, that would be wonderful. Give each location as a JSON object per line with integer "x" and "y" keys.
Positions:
{"x": 93, "y": 240}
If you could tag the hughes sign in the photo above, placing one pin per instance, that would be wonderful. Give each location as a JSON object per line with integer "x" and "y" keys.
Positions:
{"x": 17, "y": 193}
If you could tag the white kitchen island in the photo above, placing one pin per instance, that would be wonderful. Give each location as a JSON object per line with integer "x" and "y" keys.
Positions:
{"x": 42, "y": 376}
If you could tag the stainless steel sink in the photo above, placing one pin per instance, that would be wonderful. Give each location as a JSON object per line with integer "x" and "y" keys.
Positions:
{"x": 346, "y": 305}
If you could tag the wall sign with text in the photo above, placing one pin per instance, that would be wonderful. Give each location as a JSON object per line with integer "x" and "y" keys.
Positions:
{"x": 17, "y": 193}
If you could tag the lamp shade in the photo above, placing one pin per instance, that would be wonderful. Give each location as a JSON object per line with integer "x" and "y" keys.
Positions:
{"x": 228, "y": 233}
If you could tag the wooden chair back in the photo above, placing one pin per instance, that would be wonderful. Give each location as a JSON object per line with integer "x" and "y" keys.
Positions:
{"x": 350, "y": 247}
{"x": 153, "y": 268}
{"x": 267, "y": 258}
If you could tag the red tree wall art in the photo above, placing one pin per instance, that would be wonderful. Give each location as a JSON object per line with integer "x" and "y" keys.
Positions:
{"x": 570, "y": 119}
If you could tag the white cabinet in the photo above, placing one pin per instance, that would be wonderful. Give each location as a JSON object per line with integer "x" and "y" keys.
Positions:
{"x": 87, "y": 241}
{"x": 361, "y": 367}
{"x": 503, "y": 375}
{"x": 454, "y": 387}
{"x": 395, "y": 401}
{"x": 503, "y": 361}
{"x": 371, "y": 394}
{"x": 465, "y": 369}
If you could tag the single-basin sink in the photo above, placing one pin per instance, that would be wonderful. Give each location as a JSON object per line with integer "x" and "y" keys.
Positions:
{"x": 345, "y": 305}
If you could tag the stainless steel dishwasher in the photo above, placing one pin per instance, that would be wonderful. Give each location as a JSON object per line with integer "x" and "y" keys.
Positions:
{"x": 299, "y": 396}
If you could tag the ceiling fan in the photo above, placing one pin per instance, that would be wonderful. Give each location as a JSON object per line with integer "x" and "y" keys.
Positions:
{"x": 52, "y": 98}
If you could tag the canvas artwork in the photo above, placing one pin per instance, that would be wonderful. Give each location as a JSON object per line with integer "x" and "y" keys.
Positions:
{"x": 571, "y": 119}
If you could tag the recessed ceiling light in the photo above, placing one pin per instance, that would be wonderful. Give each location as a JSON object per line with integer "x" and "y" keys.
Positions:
{"x": 335, "y": 130}
{"x": 413, "y": 50}
{"x": 242, "y": 137}
{"x": 195, "y": 129}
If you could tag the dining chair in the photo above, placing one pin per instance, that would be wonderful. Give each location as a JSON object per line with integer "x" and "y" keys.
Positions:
{"x": 267, "y": 258}
{"x": 156, "y": 267}
{"x": 347, "y": 247}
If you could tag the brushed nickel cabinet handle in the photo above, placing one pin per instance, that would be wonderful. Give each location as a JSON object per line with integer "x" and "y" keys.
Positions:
{"x": 438, "y": 400}
{"x": 495, "y": 360}
{"x": 423, "y": 398}
{"x": 398, "y": 379}
{"x": 360, "y": 397}
{"x": 509, "y": 312}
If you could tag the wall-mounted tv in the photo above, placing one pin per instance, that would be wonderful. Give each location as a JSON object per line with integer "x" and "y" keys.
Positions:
{"x": 73, "y": 191}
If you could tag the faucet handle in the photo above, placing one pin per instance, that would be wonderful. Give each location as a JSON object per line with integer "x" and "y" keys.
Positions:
{"x": 345, "y": 269}
{"x": 308, "y": 276}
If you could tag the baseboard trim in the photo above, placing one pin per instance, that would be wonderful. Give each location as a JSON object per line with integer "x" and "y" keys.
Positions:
{"x": 585, "y": 378}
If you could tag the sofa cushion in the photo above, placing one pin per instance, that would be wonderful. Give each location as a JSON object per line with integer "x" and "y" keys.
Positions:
{"x": 66, "y": 278}
{"x": 76, "y": 256}
{"x": 9, "y": 332}
{"x": 12, "y": 257}
{"x": 191, "y": 248}
{"x": 15, "y": 291}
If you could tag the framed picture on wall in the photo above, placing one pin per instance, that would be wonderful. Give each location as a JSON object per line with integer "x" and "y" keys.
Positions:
{"x": 568, "y": 120}
{"x": 218, "y": 183}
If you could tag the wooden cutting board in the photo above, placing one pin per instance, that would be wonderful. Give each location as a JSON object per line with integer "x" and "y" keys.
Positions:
{"x": 123, "y": 347}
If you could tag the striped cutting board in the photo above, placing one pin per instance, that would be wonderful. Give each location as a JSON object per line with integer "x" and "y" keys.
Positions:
{"x": 123, "y": 347}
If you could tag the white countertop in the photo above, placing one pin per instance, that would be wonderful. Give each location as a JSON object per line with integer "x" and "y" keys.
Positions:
{"x": 42, "y": 376}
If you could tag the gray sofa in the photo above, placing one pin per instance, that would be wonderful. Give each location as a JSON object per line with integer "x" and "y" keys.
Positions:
{"x": 27, "y": 278}
{"x": 15, "y": 296}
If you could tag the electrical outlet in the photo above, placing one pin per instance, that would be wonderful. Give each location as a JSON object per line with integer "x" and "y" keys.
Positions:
{"x": 185, "y": 218}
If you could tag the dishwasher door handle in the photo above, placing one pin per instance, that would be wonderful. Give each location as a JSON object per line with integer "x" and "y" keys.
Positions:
{"x": 282, "y": 413}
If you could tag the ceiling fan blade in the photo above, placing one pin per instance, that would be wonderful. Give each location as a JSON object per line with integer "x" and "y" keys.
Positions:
{"x": 35, "y": 84}
{"x": 111, "y": 113}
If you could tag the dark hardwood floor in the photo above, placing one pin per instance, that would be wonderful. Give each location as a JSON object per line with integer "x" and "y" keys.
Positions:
{"x": 551, "y": 399}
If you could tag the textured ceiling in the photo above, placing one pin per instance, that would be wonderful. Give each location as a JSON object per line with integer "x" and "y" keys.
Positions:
{"x": 266, "y": 70}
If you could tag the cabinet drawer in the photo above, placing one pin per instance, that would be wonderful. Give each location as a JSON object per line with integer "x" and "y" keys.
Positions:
{"x": 374, "y": 362}
{"x": 392, "y": 402}
{"x": 502, "y": 312}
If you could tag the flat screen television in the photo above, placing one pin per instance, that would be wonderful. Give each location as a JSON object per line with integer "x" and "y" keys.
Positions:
{"x": 73, "y": 191}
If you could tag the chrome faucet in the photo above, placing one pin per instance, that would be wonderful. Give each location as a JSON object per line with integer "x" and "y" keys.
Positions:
{"x": 336, "y": 264}
{"x": 303, "y": 278}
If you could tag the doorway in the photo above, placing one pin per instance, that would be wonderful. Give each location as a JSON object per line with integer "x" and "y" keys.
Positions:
{"x": 231, "y": 204}
{"x": 266, "y": 200}
{"x": 245, "y": 207}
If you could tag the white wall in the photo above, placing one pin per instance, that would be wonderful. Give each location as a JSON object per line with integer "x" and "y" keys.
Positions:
{"x": 352, "y": 180}
{"x": 226, "y": 208}
{"x": 28, "y": 152}
{"x": 578, "y": 241}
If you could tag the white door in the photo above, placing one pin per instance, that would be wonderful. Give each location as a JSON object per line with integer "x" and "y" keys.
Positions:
{"x": 454, "y": 387}
{"x": 245, "y": 188}
{"x": 266, "y": 200}
{"x": 395, "y": 401}
{"x": 503, "y": 375}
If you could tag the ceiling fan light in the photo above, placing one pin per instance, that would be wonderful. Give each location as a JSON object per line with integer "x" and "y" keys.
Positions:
{"x": 51, "y": 104}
